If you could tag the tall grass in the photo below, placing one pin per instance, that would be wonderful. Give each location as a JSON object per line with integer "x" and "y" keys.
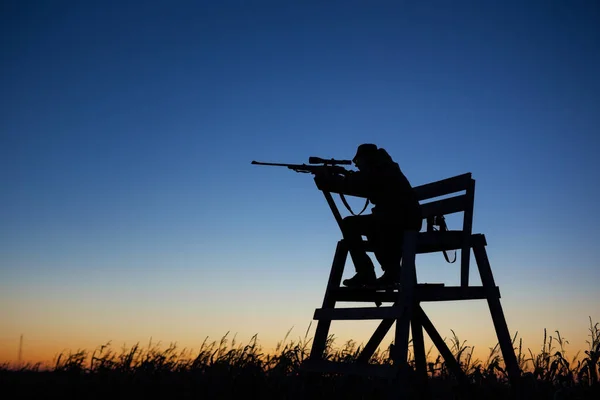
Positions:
{"x": 224, "y": 368}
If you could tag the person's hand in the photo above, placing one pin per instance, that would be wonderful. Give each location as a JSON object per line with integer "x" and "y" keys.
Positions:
{"x": 321, "y": 179}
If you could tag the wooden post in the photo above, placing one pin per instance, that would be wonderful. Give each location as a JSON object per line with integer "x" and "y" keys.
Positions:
{"x": 405, "y": 297}
{"x": 335, "y": 277}
{"x": 504, "y": 339}
{"x": 373, "y": 343}
{"x": 419, "y": 350}
{"x": 465, "y": 252}
{"x": 441, "y": 346}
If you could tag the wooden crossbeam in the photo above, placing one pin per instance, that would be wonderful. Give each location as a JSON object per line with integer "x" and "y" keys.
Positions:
{"x": 422, "y": 293}
{"x": 440, "y": 345}
{"x": 445, "y": 206}
{"x": 375, "y": 340}
{"x": 431, "y": 242}
{"x": 357, "y": 313}
{"x": 443, "y": 187}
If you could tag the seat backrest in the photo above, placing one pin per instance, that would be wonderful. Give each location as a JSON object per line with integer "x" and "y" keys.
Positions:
{"x": 462, "y": 189}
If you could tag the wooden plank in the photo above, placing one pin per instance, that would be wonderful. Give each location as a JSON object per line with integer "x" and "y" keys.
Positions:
{"x": 423, "y": 292}
{"x": 334, "y": 209}
{"x": 454, "y": 293}
{"x": 419, "y": 353}
{"x": 375, "y": 340}
{"x": 364, "y": 295}
{"x": 447, "y": 206}
{"x": 465, "y": 253}
{"x": 504, "y": 338}
{"x": 441, "y": 346}
{"x": 335, "y": 278}
{"x": 358, "y": 313}
{"x": 431, "y": 242}
{"x": 443, "y": 187}
{"x": 408, "y": 280}
{"x": 478, "y": 238}
{"x": 324, "y": 366}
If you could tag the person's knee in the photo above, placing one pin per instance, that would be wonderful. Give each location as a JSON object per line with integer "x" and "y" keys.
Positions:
{"x": 351, "y": 223}
{"x": 351, "y": 219}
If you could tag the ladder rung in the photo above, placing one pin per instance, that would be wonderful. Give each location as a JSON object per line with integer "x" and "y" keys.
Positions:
{"x": 358, "y": 313}
{"x": 324, "y": 366}
{"x": 422, "y": 293}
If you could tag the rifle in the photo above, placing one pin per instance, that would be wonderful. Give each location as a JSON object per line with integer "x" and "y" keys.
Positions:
{"x": 320, "y": 166}
{"x": 315, "y": 165}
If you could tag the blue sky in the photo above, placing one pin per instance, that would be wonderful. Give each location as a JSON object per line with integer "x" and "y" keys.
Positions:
{"x": 130, "y": 208}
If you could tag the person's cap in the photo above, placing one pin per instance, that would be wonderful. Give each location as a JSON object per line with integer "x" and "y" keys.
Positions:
{"x": 366, "y": 150}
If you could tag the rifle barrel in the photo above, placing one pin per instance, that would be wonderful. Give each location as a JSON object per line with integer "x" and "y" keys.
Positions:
{"x": 277, "y": 164}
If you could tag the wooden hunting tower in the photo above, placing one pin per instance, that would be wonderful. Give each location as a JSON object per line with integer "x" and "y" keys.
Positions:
{"x": 403, "y": 306}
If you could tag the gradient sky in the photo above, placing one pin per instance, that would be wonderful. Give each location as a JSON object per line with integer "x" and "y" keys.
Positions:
{"x": 129, "y": 208}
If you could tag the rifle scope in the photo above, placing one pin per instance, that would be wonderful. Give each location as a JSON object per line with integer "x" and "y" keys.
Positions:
{"x": 332, "y": 161}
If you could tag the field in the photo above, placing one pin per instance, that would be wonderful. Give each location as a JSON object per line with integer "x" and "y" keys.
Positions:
{"x": 227, "y": 369}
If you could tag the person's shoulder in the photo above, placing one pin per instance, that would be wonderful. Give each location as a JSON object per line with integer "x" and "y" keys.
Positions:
{"x": 394, "y": 166}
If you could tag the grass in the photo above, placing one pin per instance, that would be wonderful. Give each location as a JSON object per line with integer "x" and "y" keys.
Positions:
{"x": 226, "y": 369}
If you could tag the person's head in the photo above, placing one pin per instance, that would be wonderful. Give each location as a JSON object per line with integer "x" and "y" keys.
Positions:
{"x": 366, "y": 156}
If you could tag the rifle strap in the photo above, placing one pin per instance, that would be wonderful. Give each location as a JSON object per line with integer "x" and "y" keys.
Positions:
{"x": 448, "y": 259}
{"x": 348, "y": 205}
{"x": 444, "y": 228}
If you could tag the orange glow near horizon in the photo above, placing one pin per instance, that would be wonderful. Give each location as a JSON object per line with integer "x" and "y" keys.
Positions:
{"x": 480, "y": 337}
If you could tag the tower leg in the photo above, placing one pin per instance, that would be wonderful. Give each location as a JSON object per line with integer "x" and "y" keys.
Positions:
{"x": 408, "y": 279}
{"x": 419, "y": 351}
{"x": 373, "y": 343}
{"x": 335, "y": 278}
{"x": 453, "y": 365}
{"x": 504, "y": 339}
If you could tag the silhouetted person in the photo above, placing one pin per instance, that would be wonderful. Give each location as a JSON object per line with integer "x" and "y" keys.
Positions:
{"x": 396, "y": 209}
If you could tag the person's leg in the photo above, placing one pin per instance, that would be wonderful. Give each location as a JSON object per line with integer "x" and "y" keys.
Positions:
{"x": 353, "y": 228}
{"x": 387, "y": 242}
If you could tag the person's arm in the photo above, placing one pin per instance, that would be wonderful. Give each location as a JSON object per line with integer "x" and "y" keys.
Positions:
{"x": 352, "y": 184}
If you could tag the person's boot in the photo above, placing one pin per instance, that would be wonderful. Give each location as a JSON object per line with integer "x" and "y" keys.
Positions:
{"x": 363, "y": 278}
{"x": 388, "y": 278}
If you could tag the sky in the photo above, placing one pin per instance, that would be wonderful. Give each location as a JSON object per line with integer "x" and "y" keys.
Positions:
{"x": 130, "y": 210}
